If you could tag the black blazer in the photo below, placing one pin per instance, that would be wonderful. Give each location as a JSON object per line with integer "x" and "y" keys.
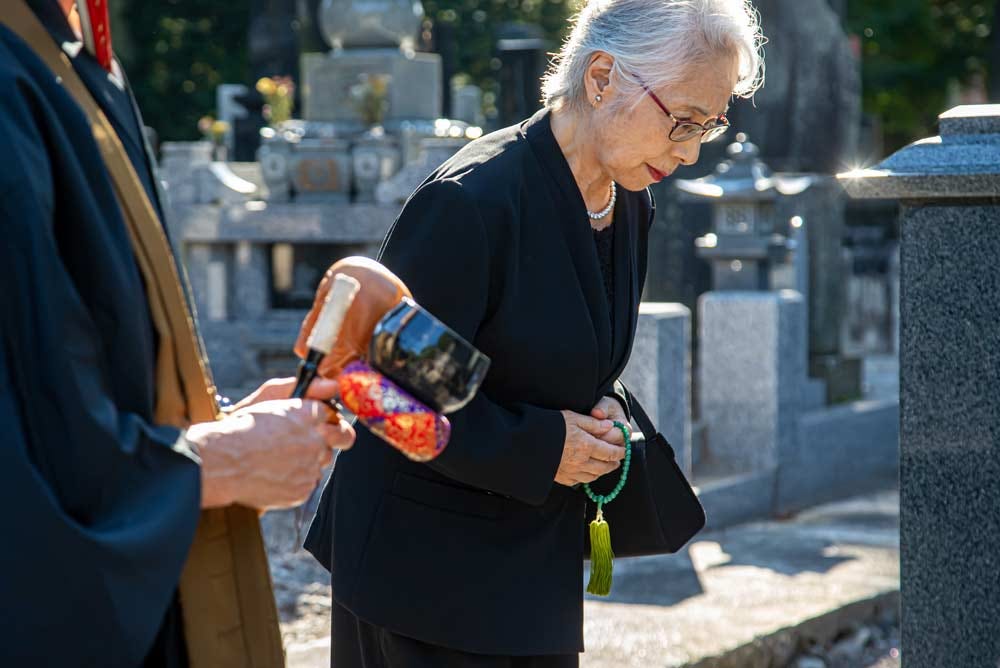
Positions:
{"x": 480, "y": 550}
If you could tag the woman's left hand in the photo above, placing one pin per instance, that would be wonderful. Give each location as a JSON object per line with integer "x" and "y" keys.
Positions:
{"x": 609, "y": 409}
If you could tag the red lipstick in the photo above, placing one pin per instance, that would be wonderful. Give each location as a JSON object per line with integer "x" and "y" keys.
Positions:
{"x": 656, "y": 174}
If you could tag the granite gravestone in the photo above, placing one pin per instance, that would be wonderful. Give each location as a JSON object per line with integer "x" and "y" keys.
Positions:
{"x": 659, "y": 374}
{"x": 371, "y": 39}
{"x": 752, "y": 377}
{"x": 949, "y": 383}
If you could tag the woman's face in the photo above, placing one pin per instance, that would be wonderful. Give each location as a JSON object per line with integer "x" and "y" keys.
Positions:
{"x": 633, "y": 144}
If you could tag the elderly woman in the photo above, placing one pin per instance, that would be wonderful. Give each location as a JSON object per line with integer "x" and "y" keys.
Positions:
{"x": 531, "y": 243}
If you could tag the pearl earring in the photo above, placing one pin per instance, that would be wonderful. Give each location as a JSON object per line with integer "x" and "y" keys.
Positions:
{"x": 598, "y": 98}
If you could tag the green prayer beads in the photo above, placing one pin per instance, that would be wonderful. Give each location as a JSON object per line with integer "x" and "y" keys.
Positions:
{"x": 599, "y": 499}
{"x": 601, "y": 554}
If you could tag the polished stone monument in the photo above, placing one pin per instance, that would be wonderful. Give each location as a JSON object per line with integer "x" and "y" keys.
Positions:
{"x": 949, "y": 188}
{"x": 371, "y": 38}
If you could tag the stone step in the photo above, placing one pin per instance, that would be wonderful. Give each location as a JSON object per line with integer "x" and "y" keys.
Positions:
{"x": 751, "y": 595}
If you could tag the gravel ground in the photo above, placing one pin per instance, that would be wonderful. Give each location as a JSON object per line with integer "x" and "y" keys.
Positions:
{"x": 302, "y": 589}
{"x": 301, "y": 585}
{"x": 872, "y": 645}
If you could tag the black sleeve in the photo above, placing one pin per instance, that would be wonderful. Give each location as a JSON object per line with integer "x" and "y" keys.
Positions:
{"x": 440, "y": 249}
{"x": 101, "y": 506}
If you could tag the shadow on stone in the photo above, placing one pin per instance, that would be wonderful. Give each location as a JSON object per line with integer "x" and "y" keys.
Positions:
{"x": 660, "y": 580}
{"x": 764, "y": 548}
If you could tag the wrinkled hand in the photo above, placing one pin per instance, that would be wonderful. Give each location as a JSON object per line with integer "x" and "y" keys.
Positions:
{"x": 586, "y": 457}
{"x": 610, "y": 409}
{"x": 320, "y": 389}
{"x": 268, "y": 454}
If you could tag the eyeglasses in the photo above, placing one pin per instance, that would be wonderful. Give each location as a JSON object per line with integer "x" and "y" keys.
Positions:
{"x": 686, "y": 130}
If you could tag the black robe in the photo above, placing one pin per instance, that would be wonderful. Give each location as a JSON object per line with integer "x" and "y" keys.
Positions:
{"x": 480, "y": 551}
{"x": 100, "y": 503}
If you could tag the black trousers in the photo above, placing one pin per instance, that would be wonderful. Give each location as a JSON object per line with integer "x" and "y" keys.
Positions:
{"x": 357, "y": 644}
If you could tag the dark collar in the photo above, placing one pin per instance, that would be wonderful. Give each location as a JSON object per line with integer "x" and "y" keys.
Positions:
{"x": 117, "y": 104}
{"x": 538, "y": 130}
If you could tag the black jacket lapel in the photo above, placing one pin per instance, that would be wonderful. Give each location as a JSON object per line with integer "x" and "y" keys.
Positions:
{"x": 626, "y": 285}
{"x": 571, "y": 212}
{"x": 114, "y": 102}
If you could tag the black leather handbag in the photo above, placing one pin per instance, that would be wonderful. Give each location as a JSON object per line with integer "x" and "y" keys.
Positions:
{"x": 656, "y": 512}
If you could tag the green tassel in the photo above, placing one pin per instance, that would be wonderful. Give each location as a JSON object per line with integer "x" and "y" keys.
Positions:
{"x": 601, "y": 556}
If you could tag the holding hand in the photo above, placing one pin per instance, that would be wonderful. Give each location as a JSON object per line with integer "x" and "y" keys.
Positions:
{"x": 270, "y": 452}
{"x": 586, "y": 455}
{"x": 321, "y": 389}
{"x": 609, "y": 408}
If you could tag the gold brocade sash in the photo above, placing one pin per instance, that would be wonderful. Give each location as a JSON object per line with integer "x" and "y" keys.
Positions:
{"x": 230, "y": 617}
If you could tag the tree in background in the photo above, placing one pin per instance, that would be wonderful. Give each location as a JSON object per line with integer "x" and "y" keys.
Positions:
{"x": 176, "y": 53}
{"x": 473, "y": 26}
{"x": 916, "y": 54}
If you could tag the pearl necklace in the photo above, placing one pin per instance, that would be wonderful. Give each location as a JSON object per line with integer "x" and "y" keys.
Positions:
{"x": 604, "y": 212}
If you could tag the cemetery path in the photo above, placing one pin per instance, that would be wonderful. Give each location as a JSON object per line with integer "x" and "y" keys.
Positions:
{"x": 753, "y": 594}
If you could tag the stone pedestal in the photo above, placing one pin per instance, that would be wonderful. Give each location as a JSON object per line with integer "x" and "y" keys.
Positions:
{"x": 321, "y": 170}
{"x": 182, "y": 166}
{"x": 229, "y": 252}
{"x": 375, "y": 159}
{"x": 752, "y": 371}
{"x": 414, "y": 90}
{"x": 251, "y": 271}
{"x": 659, "y": 373}
{"x": 950, "y": 382}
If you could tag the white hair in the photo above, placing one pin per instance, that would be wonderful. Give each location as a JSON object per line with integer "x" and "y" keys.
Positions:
{"x": 654, "y": 42}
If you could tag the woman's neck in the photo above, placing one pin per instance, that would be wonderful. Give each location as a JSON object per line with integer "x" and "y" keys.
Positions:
{"x": 575, "y": 137}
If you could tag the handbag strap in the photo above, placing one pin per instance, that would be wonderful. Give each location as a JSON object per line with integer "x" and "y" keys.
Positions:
{"x": 649, "y": 431}
{"x": 640, "y": 417}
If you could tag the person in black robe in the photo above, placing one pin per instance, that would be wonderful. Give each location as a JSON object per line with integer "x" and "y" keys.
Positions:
{"x": 101, "y": 502}
{"x": 531, "y": 243}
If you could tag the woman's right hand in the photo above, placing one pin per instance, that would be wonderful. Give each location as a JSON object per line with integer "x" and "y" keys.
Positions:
{"x": 585, "y": 456}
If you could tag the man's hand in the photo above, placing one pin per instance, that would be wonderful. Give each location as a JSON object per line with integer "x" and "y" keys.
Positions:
{"x": 586, "y": 456}
{"x": 320, "y": 389}
{"x": 609, "y": 408}
{"x": 268, "y": 454}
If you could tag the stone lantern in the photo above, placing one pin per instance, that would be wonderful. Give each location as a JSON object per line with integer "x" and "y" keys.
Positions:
{"x": 749, "y": 243}
{"x": 774, "y": 231}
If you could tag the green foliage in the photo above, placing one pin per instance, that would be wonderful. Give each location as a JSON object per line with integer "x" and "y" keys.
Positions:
{"x": 476, "y": 24}
{"x": 176, "y": 52}
{"x": 913, "y": 52}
